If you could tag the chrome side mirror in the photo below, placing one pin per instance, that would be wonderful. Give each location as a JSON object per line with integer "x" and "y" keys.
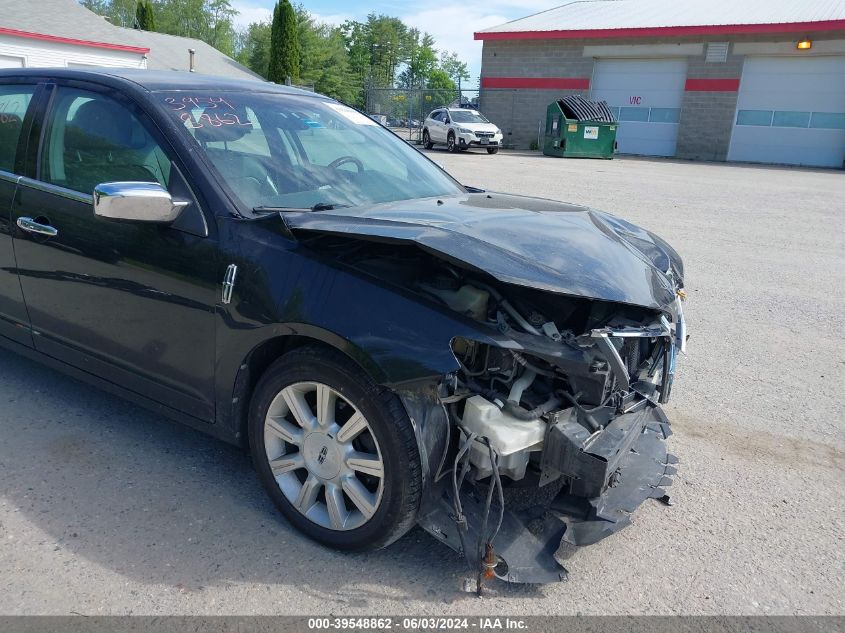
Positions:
{"x": 136, "y": 202}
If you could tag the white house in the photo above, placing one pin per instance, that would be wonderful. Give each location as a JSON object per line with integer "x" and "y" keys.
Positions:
{"x": 39, "y": 33}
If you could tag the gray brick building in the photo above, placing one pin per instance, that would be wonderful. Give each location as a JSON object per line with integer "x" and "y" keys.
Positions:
{"x": 753, "y": 81}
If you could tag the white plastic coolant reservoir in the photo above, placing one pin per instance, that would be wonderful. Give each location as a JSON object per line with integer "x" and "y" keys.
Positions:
{"x": 466, "y": 300}
{"x": 512, "y": 438}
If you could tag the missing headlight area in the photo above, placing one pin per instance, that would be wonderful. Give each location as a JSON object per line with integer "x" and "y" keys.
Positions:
{"x": 560, "y": 434}
{"x": 549, "y": 433}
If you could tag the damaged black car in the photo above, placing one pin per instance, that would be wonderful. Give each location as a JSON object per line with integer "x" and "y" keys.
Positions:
{"x": 394, "y": 348}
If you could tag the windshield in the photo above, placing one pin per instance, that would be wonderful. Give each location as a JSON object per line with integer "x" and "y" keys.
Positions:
{"x": 277, "y": 150}
{"x": 467, "y": 116}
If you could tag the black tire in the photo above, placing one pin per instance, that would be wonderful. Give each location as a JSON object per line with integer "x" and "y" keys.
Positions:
{"x": 397, "y": 510}
{"x": 451, "y": 146}
{"x": 492, "y": 150}
{"x": 427, "y": 140}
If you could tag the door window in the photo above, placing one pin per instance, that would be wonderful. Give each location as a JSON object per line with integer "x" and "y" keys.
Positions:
{"x": 92, "y": 139}
{"x": 14, "y": 100}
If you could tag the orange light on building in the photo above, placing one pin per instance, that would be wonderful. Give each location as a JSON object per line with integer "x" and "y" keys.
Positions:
{"x": 804, "y": 45}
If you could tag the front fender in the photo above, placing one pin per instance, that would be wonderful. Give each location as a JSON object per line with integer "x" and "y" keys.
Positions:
{"x": 399, "y": 339}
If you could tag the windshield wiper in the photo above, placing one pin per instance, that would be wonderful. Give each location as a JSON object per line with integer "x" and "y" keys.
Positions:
{"x": 320, "y": 206}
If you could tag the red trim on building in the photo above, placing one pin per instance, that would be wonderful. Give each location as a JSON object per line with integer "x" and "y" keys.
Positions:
{"x": 668, "y": 31}
{"x": 540, "y": 83}
{"x": 712, "y": 85}
{"x": 70, "y": 40}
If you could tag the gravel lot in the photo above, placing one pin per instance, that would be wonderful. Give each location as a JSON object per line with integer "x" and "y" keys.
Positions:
{"x": 109, "y": 509}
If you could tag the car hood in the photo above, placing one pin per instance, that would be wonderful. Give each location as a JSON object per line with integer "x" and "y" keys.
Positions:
{"x": 530, "y": 242}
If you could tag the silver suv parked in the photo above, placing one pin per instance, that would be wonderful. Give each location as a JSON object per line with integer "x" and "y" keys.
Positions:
{"x": 460, "y": 129}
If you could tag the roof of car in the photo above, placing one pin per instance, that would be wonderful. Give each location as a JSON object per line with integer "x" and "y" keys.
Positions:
{"x": 154, "y": 80}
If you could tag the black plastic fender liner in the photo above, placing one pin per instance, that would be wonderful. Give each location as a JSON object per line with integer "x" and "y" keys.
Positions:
{"x": 431, "y": 426}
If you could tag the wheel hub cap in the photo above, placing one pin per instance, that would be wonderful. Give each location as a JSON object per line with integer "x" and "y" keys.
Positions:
{"x": 322, "y": 456}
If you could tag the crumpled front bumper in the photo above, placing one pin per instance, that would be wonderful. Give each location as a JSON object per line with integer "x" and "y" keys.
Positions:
{"x": 628, "y": 465}
{"x": 633, "y": 454}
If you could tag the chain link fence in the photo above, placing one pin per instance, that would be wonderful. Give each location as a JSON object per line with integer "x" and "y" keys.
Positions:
{"x": 405, "y": 110}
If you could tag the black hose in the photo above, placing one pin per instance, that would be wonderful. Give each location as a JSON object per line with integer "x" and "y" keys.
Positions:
{"x": 468, "y": 371}
{"x": 587, "y": 413}
{"x": 512, "y": 408}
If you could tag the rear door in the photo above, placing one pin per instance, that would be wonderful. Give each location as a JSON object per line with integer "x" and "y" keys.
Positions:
{"x": 431, "y": 123}
{"x": 438, "y": 135}
{"x": 445, "y": 125}
{"x": 15, "y": 100}
{"x": 130, "y": 302}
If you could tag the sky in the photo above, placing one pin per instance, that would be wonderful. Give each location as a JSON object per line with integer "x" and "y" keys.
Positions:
{"x": 451, "y": 22}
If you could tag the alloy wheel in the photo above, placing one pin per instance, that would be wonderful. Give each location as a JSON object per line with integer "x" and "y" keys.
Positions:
{"x": 324, "y": 456}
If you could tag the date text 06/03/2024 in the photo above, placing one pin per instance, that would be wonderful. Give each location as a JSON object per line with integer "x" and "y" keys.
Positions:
{"x": 418, "y": 623}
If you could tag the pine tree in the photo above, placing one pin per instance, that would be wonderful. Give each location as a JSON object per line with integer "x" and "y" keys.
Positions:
{"x": 151, "y": 18}
{"x": 144, "y": 16}
{"x": 284, "y": 44}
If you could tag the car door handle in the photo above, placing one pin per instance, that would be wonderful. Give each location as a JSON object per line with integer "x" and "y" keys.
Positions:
{"x": 31, "y": 226}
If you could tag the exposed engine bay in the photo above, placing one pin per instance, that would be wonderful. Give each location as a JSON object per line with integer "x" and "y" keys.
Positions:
{"x": 554, "y": 434}
{"x": 569, "y": 409}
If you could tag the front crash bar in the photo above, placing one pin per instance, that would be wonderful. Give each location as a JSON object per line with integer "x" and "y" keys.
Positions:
{"x": 661, "y": 329}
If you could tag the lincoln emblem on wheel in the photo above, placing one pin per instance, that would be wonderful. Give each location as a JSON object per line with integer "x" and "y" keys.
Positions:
{"x": 394, "y": 348}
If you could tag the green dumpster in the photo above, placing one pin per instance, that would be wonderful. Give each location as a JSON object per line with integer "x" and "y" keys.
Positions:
{"x": 578, "y": 128}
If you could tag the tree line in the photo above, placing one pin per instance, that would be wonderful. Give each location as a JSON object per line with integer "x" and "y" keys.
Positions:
{"x": 340, "y": 61}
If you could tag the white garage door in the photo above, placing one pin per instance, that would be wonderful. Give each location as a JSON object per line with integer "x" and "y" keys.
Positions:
{"x": 791, "y": 111}
{"x": 646, "y": 96}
